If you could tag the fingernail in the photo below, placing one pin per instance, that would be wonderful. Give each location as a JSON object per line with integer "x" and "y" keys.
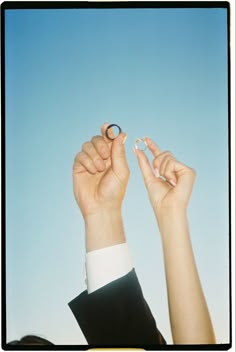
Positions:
{"x": 156, "y": 172}
{"x": 124, "y": 140}
{"x": 172, "y": 182}
{"x": 134, "y": 150}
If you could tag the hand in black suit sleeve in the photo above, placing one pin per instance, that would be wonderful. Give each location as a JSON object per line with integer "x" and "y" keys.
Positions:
{"x": 117, "y": 315}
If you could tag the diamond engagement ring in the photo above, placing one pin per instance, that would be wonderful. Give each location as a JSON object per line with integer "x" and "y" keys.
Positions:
{"x": 140, "y": 144}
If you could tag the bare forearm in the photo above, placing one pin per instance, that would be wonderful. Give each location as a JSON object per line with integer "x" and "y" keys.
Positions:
{"x": 104, "y": 229}
{"x": 190, "y": 319}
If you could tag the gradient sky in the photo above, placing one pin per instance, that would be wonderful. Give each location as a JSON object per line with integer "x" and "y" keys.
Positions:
{"x": 156, "y": 72}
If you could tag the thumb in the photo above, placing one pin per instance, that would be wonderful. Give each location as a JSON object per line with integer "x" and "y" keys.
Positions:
{"x": 118, "y": 156}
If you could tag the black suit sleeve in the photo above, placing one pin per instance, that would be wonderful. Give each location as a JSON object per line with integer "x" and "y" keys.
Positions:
{"x": 117, "y": 315}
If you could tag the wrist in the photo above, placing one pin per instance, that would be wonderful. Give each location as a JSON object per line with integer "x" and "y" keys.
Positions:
{"x": 96, "y": 209}
{"x": 172, "y": 220}
{"x": 102, "y": 211}
{"x": 104, "y": 228}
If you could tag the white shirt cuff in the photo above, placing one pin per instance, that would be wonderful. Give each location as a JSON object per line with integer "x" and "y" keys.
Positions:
{"x": 106, "y": 265}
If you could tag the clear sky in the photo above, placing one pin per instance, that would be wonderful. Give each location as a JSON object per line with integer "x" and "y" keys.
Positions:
{"x": 160, "y": 73}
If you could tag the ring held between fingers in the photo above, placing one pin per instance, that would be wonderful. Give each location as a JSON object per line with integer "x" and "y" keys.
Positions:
{"x": 109, "y": 131}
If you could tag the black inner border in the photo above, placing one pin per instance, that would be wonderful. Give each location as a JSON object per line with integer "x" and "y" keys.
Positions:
{"x": 34, "y": 5}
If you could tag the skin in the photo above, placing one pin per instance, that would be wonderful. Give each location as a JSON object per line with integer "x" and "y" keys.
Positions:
{"x": 100, "y": 178}
{"x": 189, "y": 316}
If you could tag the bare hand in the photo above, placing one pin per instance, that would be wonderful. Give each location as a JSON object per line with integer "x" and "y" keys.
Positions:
{"x": 100, "y": 174}
{"x": 172, "y": 192}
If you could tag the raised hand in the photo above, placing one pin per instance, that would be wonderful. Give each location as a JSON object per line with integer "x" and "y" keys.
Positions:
{"x": 169, "y": 182}
{"x": 100, "y": 174}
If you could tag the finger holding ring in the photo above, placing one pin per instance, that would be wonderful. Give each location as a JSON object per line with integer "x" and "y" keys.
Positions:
{"x": 112, "y": 131}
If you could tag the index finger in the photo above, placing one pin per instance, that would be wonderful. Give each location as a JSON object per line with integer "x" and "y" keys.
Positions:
{"x": 153, "y": 147}
{"x": 103, "y": 130}
{"x": 111, "y": 131}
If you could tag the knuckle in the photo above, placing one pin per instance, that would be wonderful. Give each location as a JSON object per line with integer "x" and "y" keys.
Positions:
{"x": 171, "y": 164}
{"x": 168, "y": 174}
{"x": 167, "y": 153}
{"x": 86, "y": 145}
{"x": 80, "y": 155}
{"x": 164, "y": 157}
{"x": 88, "y": 161}
{"x": 77, "y": 157}
{"x": 192, "y": 173}
{"x": 96, "y": 139}
{"x": 170, "y": 160}
{"x": 104, "y": 151}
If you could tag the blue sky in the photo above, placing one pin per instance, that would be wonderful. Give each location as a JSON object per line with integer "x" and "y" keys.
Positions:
{"x": 160, "y": 73}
